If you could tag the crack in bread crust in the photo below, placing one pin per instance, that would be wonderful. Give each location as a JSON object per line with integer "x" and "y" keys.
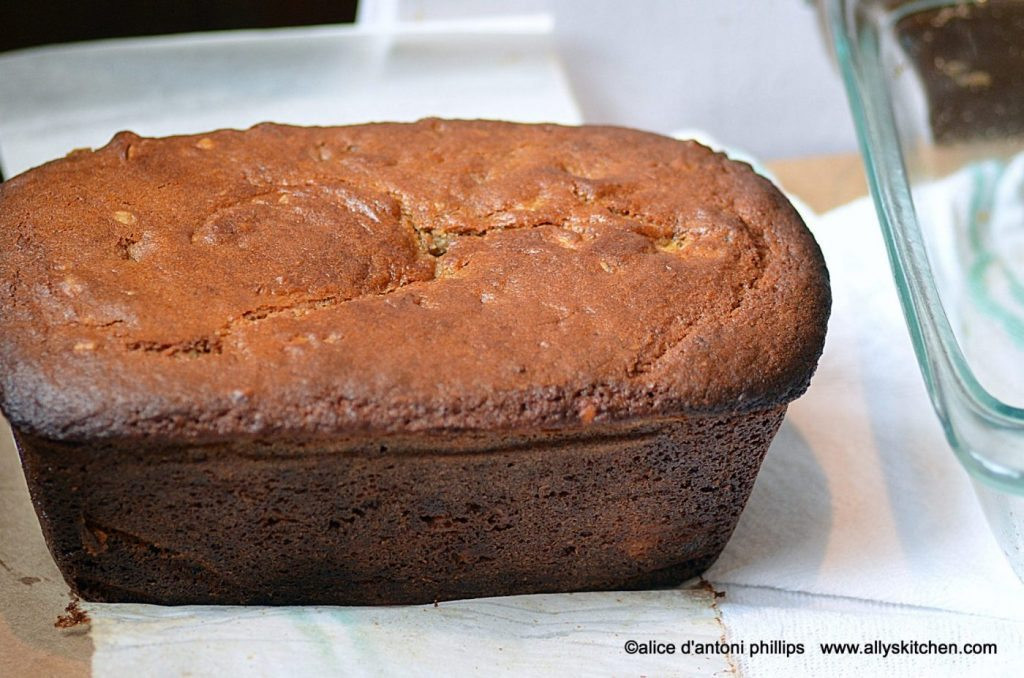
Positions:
{"x": 325, "y": 277}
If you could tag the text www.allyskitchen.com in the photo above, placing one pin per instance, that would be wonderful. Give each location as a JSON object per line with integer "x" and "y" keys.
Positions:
{"x": 786, "y": 648}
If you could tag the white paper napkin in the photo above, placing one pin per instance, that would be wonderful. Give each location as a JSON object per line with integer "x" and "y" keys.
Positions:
{"x": 542, "y": 635}
{"x": 752, "y": 614}
{"x": 860, "y": 495}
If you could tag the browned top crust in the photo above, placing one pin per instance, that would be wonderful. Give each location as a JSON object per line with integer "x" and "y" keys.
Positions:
{"x": 398, "y": 278}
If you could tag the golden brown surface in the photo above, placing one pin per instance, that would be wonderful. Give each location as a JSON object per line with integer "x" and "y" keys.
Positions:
{"x": 398, "y": 277}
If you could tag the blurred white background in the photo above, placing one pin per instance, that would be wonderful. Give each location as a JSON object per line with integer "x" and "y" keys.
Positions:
{"x": 755, "y": 74}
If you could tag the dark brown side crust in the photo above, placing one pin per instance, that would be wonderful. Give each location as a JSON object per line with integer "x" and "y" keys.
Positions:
{"x": 649, "y": 504}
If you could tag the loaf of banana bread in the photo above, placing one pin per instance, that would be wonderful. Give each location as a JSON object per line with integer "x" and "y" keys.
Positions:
{"x": 397, "y": 363}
